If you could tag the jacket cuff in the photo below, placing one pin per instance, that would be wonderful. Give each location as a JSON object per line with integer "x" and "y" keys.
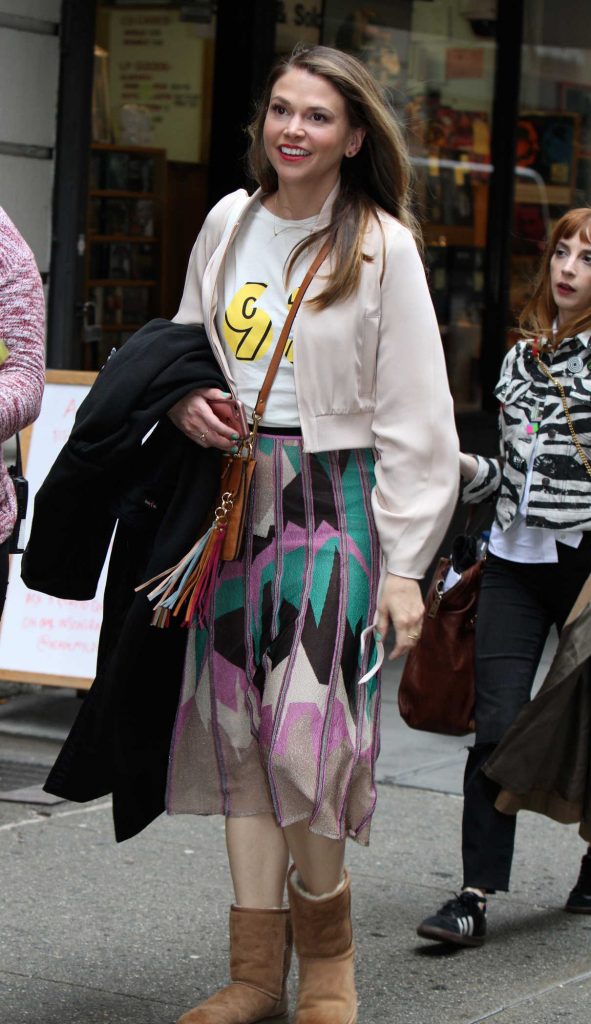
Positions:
{"x": 486, "y": 481}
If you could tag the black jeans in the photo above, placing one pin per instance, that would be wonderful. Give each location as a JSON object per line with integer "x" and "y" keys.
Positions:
{"x": 518, "y": 605}
{"x": 3, "y": 574}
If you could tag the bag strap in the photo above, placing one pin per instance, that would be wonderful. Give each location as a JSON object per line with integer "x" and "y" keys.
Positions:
{"x": 19, "y": 458}
{"x": 261, "y": 401}
{"x": 17, "y": 468}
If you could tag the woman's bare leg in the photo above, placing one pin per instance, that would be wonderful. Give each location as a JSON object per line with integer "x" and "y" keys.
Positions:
{"x": 258, "y": 857}
{"x": 319, "y": 860}
{"x": 258, "y": 851}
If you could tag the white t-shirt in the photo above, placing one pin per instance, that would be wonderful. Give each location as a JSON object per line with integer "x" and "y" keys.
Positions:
{"x": 254, "y": 302}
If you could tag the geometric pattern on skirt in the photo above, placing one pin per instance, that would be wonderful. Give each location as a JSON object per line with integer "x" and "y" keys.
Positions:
{"x": 272, "y": 718}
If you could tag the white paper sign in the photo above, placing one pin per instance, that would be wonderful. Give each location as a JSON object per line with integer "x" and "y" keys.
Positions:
{"x": 41, "y": 634}
{"x": 156, "y": 63}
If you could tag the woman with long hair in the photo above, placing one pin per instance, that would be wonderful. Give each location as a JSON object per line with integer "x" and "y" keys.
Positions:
{"x": 539, "y": 553}
{"x": 355, "y": 483}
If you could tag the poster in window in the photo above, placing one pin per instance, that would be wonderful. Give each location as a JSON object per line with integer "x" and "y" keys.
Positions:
{"x": 546, "y": 143}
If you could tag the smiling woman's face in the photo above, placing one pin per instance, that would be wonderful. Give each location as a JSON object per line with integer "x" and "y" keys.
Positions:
{"x": 307, "y": 131}
{"x": 570, "y": 276}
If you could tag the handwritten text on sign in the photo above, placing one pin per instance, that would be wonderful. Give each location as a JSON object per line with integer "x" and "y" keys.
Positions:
{"x": 42, "y": 634}
{"x": 156, "y": 63}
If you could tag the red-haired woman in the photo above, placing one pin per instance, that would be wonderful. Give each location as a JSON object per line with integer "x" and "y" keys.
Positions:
{"x": 539, "y": 552}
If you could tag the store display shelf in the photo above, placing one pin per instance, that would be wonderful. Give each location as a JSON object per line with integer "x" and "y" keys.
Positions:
{"x": 120, "y": 193}
{"x": 121, "y": 327}
{"x": 145, "y": 239}
{"x": 125, "y": 282}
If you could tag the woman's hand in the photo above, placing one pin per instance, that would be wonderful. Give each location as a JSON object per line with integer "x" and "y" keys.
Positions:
{"x": 400, "y": 604}
{"x": 195, "y": 417}
{"x": 468, "y": 467}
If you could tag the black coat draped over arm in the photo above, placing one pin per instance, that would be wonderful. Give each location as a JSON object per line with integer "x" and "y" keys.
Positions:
{"x": 159, "y": 493}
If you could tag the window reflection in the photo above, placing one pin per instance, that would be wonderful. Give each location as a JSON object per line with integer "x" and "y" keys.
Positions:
{"x": 554, "y": 131}
{"x": 437, "y": 62}
{"x": 436, "y": 58}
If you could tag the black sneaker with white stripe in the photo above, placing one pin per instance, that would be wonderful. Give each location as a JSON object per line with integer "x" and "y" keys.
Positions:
{"x": 460, "y": 921}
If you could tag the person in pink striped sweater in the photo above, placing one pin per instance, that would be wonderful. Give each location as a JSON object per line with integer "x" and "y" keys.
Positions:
{"x": 22, "y": 362}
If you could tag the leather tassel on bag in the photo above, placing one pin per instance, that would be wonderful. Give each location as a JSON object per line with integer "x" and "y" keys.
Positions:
{"x": 191, "y": 581}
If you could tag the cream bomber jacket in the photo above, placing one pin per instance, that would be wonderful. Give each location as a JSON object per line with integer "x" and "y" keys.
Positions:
{"x": 369, "y": 373}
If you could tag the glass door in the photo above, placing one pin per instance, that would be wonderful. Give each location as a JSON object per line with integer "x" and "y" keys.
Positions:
{"x": 553, "y": 132}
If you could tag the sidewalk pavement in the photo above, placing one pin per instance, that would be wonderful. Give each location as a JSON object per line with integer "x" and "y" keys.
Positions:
{"x": 92, "y": 931}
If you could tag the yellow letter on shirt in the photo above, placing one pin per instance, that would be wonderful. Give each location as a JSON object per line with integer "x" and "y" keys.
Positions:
{"x": 247, "y": 328}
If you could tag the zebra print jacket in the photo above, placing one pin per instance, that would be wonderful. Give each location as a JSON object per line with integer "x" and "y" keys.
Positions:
{"x": 532, "y": 418}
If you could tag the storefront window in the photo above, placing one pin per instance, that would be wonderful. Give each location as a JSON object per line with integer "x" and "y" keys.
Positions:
{"x": 436, "y": 58}
{"x": 553, "y": 132}
{"x": 151, "y": 105}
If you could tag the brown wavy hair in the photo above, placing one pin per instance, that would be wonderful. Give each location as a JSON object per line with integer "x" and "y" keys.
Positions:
{"x": 378, "y": 176}
{"x": 541, "y": 311}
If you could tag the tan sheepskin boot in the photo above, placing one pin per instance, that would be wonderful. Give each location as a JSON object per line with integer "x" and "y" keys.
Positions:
{"x": 260, "y": 955}
{"x": 323, "y": 938}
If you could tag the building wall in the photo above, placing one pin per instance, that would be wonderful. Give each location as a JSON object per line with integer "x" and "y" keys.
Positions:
{"x": 29, "y": 72}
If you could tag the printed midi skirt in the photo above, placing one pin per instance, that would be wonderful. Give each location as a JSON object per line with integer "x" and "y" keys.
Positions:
{"x": 274, "y": 714}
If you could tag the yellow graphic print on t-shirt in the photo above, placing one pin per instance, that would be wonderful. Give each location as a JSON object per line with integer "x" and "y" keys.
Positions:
{"x": 248, "y": 329}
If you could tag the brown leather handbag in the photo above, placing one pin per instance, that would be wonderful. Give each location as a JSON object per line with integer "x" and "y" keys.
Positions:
{"x": 436, "y": 692}
{"x": 235, "y": 481}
